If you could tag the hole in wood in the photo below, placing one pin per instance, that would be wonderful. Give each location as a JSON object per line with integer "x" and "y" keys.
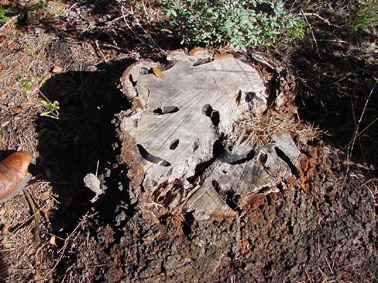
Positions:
{"x": 174, "y": 144}
{"x": 233, "y": 159}
{"x": 143, "y": 71}
{"x": 149, "y": 157}
{"x": 195, "y": 145}
{"x": 264, "y": 189}
{"x": 227, "y": 194}
{"x": 287, "y": 160}
{"x": 249, "y": 96}
{"x": 263, "y": 157}
{"x": 215, "y": 118}
{"x": 211, "y": 113}
{"x": 207, "y": 110}
{"x": 238, "y": 98}
{"x": 132, "y": 81}
{"x": 166, "y": 110}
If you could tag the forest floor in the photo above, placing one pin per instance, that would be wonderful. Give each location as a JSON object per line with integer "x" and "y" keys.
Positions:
{"x": 75, "y": 53}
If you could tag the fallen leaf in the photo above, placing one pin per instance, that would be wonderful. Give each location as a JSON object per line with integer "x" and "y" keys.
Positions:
{"x": 158, "y": 73}
{"x": 5, "y": 242}
{"x": 94, "y": 184}
{"x": 53, "y": 241}
{"x": 57, "y": 69}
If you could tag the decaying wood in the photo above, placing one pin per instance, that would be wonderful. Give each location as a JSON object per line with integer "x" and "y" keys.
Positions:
{"x": 182, "y": 143}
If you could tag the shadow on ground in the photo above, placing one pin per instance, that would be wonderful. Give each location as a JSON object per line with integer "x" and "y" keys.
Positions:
{"x": 336, "y": 75}
{"x": 83, "y": 140}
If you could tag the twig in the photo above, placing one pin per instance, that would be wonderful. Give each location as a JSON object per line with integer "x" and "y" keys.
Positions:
{"x": 35, "y": 212}
{"x": 66, "y": 241}
{"x": 8, "y": 22}
{"x": 312, "y": 31}
{"x": 99, "y": 51}
{"x": 329, "y": 266}
{"x": 155, "y": 45}
{"x": 356, "y": 134}
{"x": 111, "y": 46}
{"x": 261, "y": 60}
{"x": 52, "y": 114}
{"x": 321, "y": 18}
{"x": 31, "y": 216}
{"x": 355, "y": 125}
{"x": 363, "y": 70}
{"x": 71, "y": 7}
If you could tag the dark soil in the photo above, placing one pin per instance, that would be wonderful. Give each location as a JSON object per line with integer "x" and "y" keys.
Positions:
{"x": 325, "y": 231}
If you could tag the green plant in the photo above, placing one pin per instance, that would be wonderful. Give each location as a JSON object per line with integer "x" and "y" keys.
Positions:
{"x": 27, "y": 84}
{"x": 41, "y": 4}
{"x": 362, "y": 14}
{"x": 51, "y": 109}
{"x": 28, "y": 47}
{"x": 3, "y": 17}
{"x": 241, "y": 23}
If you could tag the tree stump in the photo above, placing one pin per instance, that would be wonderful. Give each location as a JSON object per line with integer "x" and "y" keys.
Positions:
{"x": 181, "y": 141}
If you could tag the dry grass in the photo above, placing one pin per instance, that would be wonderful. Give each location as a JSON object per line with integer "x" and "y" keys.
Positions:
{"x": 260, "y": 128}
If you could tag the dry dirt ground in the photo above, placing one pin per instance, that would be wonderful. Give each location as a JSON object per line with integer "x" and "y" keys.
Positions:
{"x": 322, "y": 231}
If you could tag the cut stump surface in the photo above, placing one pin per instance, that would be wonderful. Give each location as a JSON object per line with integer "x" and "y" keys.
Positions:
{"x": 181, "y": 139}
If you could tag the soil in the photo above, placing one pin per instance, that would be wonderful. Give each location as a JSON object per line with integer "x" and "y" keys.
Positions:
{"x": 322, "y": 229}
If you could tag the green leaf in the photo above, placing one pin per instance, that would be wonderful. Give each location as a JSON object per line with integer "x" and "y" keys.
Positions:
{"x": 4, "y": 19}
{"x": 28, "y": 87}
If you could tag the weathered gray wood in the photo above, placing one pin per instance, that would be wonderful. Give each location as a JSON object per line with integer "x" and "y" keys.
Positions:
{"x": 181, "y": 137}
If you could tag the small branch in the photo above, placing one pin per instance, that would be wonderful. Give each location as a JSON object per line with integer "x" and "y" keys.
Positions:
{"x": 33, "y": 215}
{"x": 356, "y": 133}
{"x": 319, "y": 17}
{"x": 66, "y": 241}
{"x": 111, "y": 46}
{"x": 312, "y": 31}
{"x": 261, "y": 60}
{"x": 8, "y": 22}
{"x": 155, "y": 45}
{"x": 35, "y": 212}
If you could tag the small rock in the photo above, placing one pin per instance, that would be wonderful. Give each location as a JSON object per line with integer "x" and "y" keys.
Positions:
{"x": 38, "y": 31}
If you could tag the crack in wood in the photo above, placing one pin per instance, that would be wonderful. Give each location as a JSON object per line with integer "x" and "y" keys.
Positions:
{"x": 154, "y": 159}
